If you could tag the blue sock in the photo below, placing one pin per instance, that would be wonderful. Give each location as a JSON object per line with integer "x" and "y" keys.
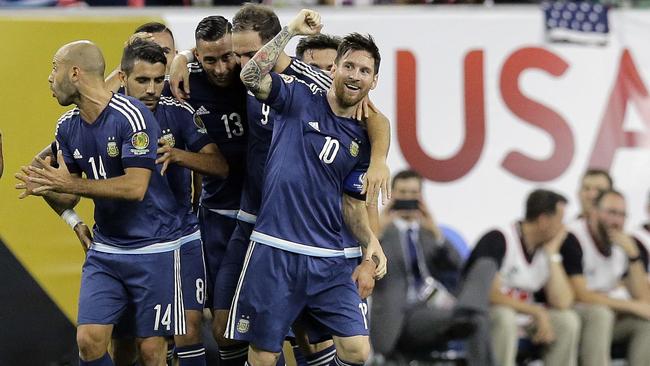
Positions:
{"x": 193, "y": 355}
{"x": 233, "y": 355}
{"x": 105, "y": 360}
{"x": 336, "y": 361}
{"x": 298, "y": 355}
{"x": 321, "y": 358}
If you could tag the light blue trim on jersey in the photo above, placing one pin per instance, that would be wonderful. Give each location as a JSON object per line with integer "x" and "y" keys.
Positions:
{"x": 227, "y": 213}
{"x": 149, "y": 249}
{"x": 191, "y": 237}
{"x": 246, "y": 217}
{"x": 289, "y": 246}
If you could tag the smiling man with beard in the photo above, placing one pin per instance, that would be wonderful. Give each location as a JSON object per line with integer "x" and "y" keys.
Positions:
{"x": 298, "y": 260}
{"x": 604, "y": 257}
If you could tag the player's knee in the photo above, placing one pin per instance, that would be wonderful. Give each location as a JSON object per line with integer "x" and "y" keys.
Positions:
{"x": 219, "y": 323}
{"x": 258, "y": 357}
{"x": 91, "y": 344}
{"x": 193, "y": 327}
{"x": 153, "y": 352}
{"x": 356, "y": 352}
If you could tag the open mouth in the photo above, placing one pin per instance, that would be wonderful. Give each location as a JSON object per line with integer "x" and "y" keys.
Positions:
{"x": 352, "y": 87}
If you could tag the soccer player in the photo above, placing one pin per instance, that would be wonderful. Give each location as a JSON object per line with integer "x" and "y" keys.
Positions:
{"x": 154, "y": 32}
{"x": 184, "y": 146}
{"x": 254, "y": 25}
{"x": 318, "y": 51}
{"x": 219, "y": 98}
{"x": 298, "y": 228}
{"x": 134, "y": 258}
{"x": 157, "y": 33}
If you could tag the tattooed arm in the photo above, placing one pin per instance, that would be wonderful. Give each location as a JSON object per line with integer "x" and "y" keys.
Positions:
{"x": 255, "y": 74}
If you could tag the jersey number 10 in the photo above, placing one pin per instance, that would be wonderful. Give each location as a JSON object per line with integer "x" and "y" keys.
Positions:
{"x": 329, "y": 151}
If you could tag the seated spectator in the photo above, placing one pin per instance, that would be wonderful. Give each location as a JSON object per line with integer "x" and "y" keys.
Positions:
{"x": 527, "y": 255}
{"x": 641, "y": 234}
{"x": 596, "y": 263}
{"x": 412, "y": 312}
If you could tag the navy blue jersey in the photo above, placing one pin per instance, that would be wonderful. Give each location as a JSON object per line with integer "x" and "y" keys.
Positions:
{"x": 180, "y": 129}
{"x": 260, "y": 123}
{"x": 223, "y": 112}
{"x": 123, "y": 136}
{"x": 312, "y": 153}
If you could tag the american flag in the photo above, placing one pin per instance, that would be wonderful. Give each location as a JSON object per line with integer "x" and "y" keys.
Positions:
{"x": 579, "y": 22}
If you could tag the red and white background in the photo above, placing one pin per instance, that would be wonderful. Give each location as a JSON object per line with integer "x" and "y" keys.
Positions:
{"x": 487, "y": 110}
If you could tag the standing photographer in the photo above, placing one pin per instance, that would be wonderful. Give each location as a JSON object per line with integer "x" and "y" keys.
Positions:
{"x": 412, "y": 310}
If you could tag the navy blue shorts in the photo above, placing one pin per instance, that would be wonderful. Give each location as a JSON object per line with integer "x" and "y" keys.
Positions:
{"x": 193, "y": 275}
{"x": 276, "y": 286}
{"x": 148, "y": 284}
{"x": 231, "y": 265}
{"x": 216, "y": 231}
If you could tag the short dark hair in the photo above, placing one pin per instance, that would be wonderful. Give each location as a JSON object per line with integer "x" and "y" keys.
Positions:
{"x": 154, "y": 27}
{"x": 143, "y": 50}
{"x": 317, "y": 42}
{"x": 359, "y": 42}
{"x": 406, "y": 174}
{"x": 542, "y": 201}
{"x": 212, "y": 28}
{"x": 595, "y": 171}
{"x": 257, "y": 18}
{"x": 602, "y": 194}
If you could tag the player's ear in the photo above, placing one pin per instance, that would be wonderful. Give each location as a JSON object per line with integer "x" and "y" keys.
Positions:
{"x": 373, "y": 85}
{"x": 122, "y": 76}
{"x": 74, "y": 73}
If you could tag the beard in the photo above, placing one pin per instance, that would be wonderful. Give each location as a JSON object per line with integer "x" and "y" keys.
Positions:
{"x": 66, "y": 100}
{"x": 343, "y": 96}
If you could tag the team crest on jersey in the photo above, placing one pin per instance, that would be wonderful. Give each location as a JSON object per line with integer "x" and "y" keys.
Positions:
{"x": 243, "y": 325}
{"x": 169, "y": 137}
{"x": 111, "y": 148}
{"x": 140, "y": 142}
{"x": 287, "y": 78}
{"x": 198, "y": 122}
{"x": 354, "y": 149}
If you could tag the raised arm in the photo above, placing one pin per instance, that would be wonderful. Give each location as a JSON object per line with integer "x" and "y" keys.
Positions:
{"x": 255, "y": 75}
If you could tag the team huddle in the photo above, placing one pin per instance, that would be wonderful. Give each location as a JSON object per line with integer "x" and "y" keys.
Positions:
{"x": 248, "y": 198}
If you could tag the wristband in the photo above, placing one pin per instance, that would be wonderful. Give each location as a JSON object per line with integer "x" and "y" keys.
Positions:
{"x": 189, "y": 55}
{"x": 71, "y": 218}
{"x": 556, "y": 258}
